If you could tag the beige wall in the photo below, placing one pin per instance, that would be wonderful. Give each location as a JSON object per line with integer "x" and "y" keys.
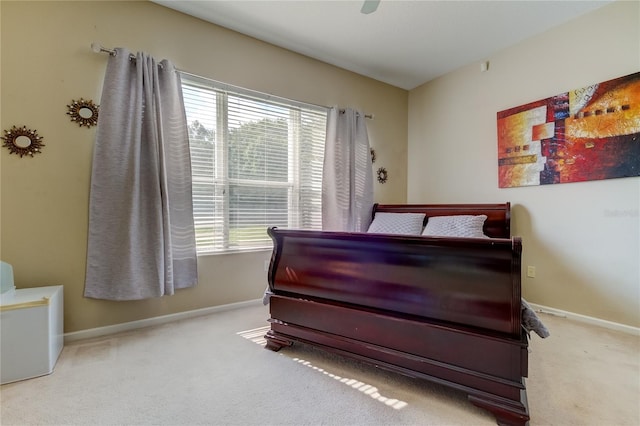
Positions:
{"x": 47, "y": 62}
{"x": 583, "y": 238}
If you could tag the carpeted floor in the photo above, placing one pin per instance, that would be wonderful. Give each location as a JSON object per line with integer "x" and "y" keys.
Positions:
{"x": 213, "y": 370}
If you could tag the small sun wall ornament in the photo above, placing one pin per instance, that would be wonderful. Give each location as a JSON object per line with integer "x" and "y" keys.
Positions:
{"x": 83, "y": 112}
{"x": 382, "y": 175}
{"x": 22, "y": 141}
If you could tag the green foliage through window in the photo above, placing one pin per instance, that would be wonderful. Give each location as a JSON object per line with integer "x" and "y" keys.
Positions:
{"x": 256, "y": 162}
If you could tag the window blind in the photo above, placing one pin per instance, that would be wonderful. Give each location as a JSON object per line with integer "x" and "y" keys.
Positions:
{"x": 256, "y": 162}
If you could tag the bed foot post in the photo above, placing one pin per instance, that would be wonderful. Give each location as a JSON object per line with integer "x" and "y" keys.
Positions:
{"x": 506, "y": 412}
{"x": 276, "y": 342}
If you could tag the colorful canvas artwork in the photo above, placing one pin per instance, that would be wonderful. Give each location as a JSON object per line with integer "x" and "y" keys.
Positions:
{"x": 587, "y": 134}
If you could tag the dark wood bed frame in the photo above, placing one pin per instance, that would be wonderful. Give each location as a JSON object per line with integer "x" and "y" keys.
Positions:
{"x": 443, "y": 309}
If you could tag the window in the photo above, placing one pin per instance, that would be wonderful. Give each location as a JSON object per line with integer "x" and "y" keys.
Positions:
{"x": 256, "y": 162}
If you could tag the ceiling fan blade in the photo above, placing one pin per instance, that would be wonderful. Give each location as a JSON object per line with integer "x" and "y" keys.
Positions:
{"x": 369, "y": 6}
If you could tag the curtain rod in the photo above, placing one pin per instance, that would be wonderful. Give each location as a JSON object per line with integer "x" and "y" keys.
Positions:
{"x": 98, "y": 48}
{"x": 369, "y": 116}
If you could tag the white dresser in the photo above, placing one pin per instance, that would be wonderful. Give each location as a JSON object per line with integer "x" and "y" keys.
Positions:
{"x": 31, "y": 332}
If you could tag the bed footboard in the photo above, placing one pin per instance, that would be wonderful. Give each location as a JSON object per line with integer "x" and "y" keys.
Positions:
{"x": 443, "y": 309}
{"x": 468, "y": 281}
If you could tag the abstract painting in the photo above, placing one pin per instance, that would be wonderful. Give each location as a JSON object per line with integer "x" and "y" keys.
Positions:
{"x": 586, "y": 134}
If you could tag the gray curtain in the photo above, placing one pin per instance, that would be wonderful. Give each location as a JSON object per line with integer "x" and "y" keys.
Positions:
{"x": 347, "y": 180}
{"x": 141, "y": 241}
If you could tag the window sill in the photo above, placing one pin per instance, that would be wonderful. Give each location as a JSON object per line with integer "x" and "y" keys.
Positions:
{"x": 238, "y": 251}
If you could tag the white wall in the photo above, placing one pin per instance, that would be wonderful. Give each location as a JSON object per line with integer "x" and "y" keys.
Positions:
{"x": 583, "y": 238}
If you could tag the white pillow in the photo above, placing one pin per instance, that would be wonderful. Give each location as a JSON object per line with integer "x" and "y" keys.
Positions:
{"x": 397, "y": 223}
{"x": 467, "y": 226}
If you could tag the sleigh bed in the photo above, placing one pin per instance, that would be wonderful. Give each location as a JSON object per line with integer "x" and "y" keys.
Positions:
{"x": 445, "y": 309}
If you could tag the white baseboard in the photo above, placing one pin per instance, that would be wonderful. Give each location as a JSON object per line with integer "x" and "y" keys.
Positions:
{"x": 134, "y": 325}
{"x": 586, "y": 319}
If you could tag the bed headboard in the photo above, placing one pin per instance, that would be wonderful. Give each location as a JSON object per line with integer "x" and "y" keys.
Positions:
{"x": 497, "y": 225}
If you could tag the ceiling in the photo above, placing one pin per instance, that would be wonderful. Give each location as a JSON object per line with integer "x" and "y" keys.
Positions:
{"x": 404, "y": 43}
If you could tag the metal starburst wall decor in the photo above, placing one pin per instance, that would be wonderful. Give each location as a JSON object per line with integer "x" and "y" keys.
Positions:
{"x": 22, "y": 141}
{"x": 83, "y": 112}
{"x": 382, "y": 175}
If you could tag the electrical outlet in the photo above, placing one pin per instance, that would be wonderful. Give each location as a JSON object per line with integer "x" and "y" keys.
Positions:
{"x": 531, "y": 271}
{"x": 266, "y": 266}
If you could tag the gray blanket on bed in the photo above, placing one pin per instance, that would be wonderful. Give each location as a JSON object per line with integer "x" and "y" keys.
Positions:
{"x": 531, "y": 322}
